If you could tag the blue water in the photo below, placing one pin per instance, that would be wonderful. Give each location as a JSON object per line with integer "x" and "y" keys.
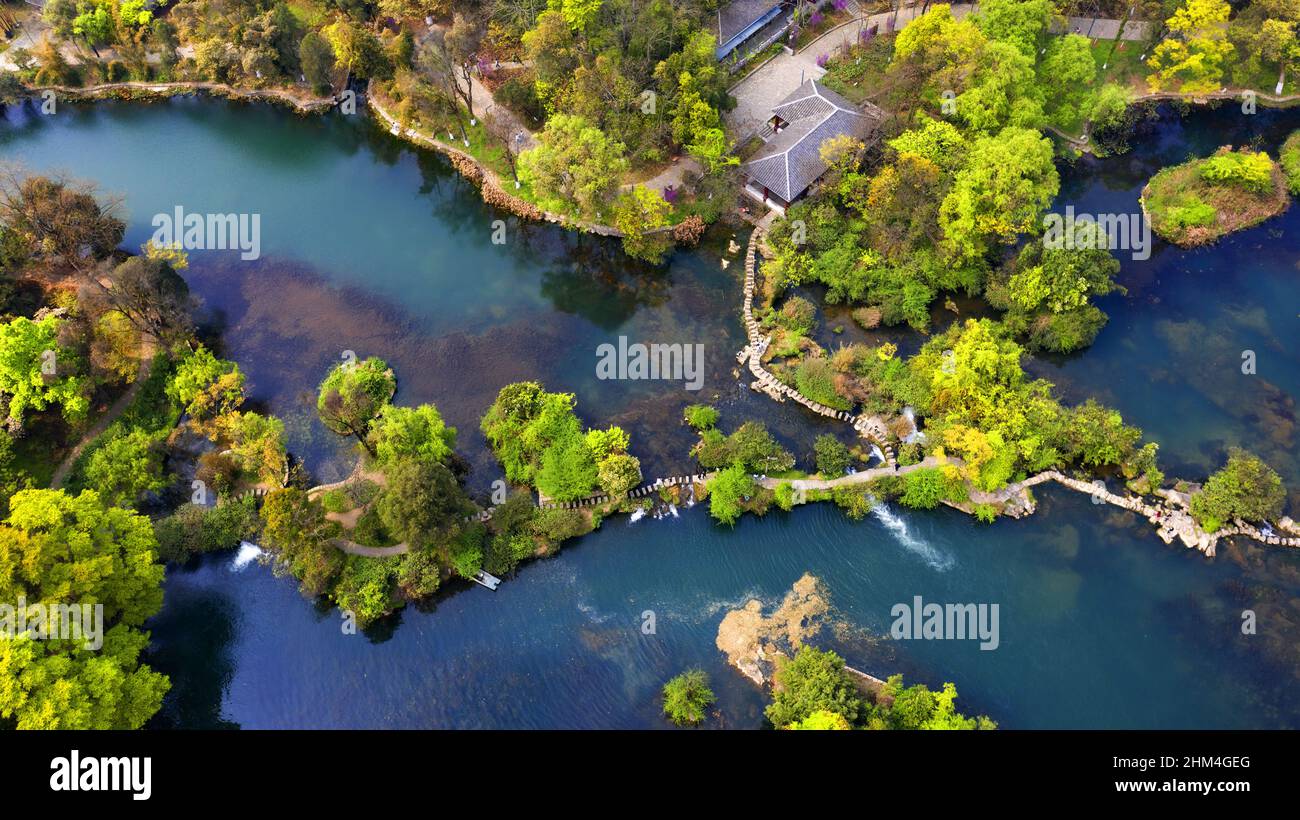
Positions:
{"x": 374, "y": 247}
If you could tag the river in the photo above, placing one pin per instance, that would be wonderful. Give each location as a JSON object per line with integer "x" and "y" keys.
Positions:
{"x": 372, "y": 246}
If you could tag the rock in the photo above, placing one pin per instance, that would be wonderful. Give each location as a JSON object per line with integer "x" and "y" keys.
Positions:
{"x": 753, "y": 643}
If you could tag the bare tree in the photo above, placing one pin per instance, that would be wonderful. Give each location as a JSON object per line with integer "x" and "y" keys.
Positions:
{"x": 436, "y": 60}
{"x": 152, "y": 296}
{"x": 462, "y": 42}
{"x": 58, "y": 219}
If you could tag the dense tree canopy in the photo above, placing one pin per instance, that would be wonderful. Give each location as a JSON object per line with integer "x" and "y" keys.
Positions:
{"x": 57, "y": 549}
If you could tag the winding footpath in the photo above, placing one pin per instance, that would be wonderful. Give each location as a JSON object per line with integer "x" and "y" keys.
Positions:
{"x": 871, "y": 428}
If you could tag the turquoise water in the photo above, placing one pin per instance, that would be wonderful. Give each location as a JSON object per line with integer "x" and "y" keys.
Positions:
{"x": 373, "y": 247}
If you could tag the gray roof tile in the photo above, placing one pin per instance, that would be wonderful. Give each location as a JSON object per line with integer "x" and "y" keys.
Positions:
{"x": 791, "y": 160}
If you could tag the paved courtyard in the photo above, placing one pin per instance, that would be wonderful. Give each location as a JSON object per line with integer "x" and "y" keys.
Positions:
{"x": 757, "y": 93}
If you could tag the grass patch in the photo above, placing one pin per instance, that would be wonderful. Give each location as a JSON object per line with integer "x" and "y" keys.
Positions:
{"x": 860, "y": 72}
{"x": 1123, "y": 64}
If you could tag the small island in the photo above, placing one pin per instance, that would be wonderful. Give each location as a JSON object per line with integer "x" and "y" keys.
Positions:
{"x": 1201, "y": 200}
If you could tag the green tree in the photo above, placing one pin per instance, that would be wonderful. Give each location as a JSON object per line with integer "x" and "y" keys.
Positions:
{"x": 1194, "y": 54}
{"x": 296, "y": 529}
{"x": 525, "y": 423}
{"x": 316, "y": 56}
{"x": 1098, "y": 436}
{"x": 1068, "y": 74}
{"x": 358, "y": 50}
{"x": 124, "y": 465}
{"x": 1244, "y": 488}
{"x": 1009, "y": 180}
{"x": 640, "y": 214}
{"x": 205, "y": 386}
{"x": 421, "y": 503}
{"x": 814, "y": 680}
{"x": 728, "y": 492}
{"x": 687, "y": 697}
{"x": 619, "y": 474}
{"x": 1049, "y": 289}
{"x": 405, "y": 432}
{"x": 1022, "y": 23}
{"x": 568, "y": 469}
{"x": 916, "y": 707}
{"x": 36, "y": 372}
{"x": 923, "y": 489}
{"x": 753, "y": 446}
{"x": 352, "y": 395}
{"x": 833, "y": 457}
{"x": 257, "y": 442}
{"x": 575, "y": 167}
{"x": 57, "y": 549}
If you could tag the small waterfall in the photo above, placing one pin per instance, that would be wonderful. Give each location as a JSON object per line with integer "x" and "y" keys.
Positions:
{"x": 637, "y": 515}
{"x": 877, "y": 455}
{"x": 916, "y": 434}
{"x": 248, "y": 553}
{"x": 903, "y": 534}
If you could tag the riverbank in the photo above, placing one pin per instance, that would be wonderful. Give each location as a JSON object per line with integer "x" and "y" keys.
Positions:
{"x": 493, "y": 189}
{"x": 146, "y": 92}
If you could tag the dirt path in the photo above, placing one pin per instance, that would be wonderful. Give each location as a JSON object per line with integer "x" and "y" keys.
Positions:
{"x": 147, "y": 348}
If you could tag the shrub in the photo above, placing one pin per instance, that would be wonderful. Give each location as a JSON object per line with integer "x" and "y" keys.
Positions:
{"x": 924, "y": 489}
{"x": 1195, "y": 214}
{"x": 1290, "y": 157}
{"x": 833, "y": 457}
{"x": 797, "y": 314}
{"x": 687, "y": 696}
{"x": 784, "y": 496}
{"x": 556, "y": 524}
{"x": 336, "y": 501}
{"x": 728, "y": 492}
{"x": 815, "y": 379}
{"x": 1252, "y": 170}
{"x": 1245, "y": 488}
{"x": 519, "y": 94}
{"x": 855, "y": 501}
{"x": 370, "y": 530}
{"x": 701, "y": 416}
{"x": 193, "y": 530}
